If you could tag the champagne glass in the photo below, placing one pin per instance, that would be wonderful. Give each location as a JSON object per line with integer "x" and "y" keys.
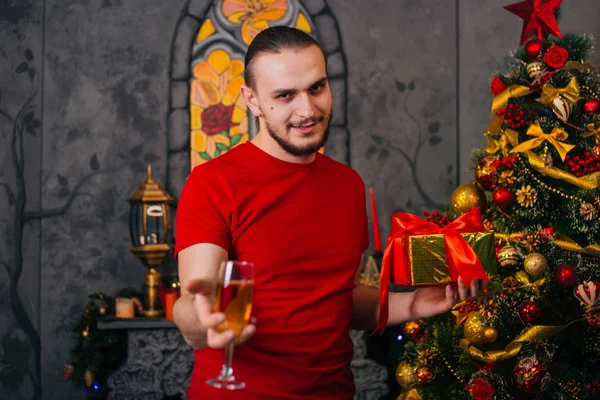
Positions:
{"x": 235, "y": 285}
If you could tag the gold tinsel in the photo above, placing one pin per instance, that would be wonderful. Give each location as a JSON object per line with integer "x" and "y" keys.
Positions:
{"x": 509, "y": 284}
{"x": 507, "y": 178}
{"x": 425, "y": 356}
{"x": 531, "y": 241}
{"x": 526, "y": 196}
{"x": 488, "y": 308}
{"x": 413, "y": 328}
{"x": 588, "y": 211}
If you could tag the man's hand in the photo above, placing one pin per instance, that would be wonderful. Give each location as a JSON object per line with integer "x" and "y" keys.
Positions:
{"x": 203, "y": 299}
{"x": 435, "y": 300}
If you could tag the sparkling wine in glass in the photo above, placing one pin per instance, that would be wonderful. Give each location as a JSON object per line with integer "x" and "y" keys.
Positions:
{"x": 235, "y": 285}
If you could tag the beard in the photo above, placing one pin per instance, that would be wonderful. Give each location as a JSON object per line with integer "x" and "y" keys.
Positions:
{"x": 301, "y": 151}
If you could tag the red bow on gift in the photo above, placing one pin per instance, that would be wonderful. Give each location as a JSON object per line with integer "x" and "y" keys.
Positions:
{"x": 462, "y": 260}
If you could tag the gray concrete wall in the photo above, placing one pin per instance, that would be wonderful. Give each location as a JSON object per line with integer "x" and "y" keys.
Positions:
{"x": 85, "y": 89}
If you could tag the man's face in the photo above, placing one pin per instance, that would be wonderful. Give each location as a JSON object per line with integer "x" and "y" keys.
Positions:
{"x": 292, "y": 96}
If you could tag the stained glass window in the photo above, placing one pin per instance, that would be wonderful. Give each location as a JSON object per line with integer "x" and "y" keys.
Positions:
{"x": 218, "y": 113}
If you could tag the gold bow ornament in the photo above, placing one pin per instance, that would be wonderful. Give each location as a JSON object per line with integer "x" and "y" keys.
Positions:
{"x": 591, "y": 130}
{"x": 508, "y": 138}
{"x": 555, "y": 138}
{"x": 412, "y": 394}
{"x": 561, "y": 100}
{"x": 523, "y": 278}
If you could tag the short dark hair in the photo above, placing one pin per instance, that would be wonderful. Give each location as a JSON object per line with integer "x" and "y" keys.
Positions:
{"x": 274, "y": 40}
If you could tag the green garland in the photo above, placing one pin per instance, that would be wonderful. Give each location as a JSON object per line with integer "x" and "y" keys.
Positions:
{"x": 97, "y": 353}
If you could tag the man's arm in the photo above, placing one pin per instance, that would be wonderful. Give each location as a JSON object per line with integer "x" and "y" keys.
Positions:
{"x": 198, "y": 265}
{"x": 421, "y": 303}
{"x": 193, "y": 312}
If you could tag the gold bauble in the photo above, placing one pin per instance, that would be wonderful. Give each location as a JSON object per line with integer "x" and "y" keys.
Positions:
{"x": 102, "y": 310}
{"x": 85, "y": 333}
{"x": 534, "y": 68}
{"x": 474, "y": 329}
{"x": 405, "y": 375}
{"x": 491, "y": 334}
{"x": 562, "y": 108}
{"x": 509, "y": 256}
{"x": 468, "y": 196}
{"x": 535, "y": 264}
{"x": 88, "y": 377}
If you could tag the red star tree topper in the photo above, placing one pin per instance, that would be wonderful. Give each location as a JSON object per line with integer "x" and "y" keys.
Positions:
{"x": 538, "y": 16}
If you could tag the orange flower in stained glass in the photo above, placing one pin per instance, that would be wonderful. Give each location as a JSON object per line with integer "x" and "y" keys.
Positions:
{"x": 253, "y": 15}
{"x": 217, "y": 110}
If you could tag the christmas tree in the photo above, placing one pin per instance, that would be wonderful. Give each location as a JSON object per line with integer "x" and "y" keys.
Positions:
{"x": 535, "y": 333}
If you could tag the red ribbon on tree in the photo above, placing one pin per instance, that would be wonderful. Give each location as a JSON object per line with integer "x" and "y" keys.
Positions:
{"x": 462, "y": 260}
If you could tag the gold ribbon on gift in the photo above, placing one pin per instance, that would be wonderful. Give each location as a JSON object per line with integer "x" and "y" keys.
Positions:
{"x": 591, "y": 130}
{"x": 509, "y": 137}
{"x": 569, "y": 92}
{"x": 532, "y": 334}
{"x": 500, "y": 102}
{"x": 555, "y": 138}
{"x": 566, "y": 243}
{"x": 412, "y": 394}
{"x": 590, "y": 181}
{"x": 523, "y": 278}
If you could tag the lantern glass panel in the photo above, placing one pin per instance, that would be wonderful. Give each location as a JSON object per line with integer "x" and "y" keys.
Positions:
{"x": 135, "y": 224}
{"x": 155, "y": 223}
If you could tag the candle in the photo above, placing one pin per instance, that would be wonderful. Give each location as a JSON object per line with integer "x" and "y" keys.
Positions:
{"x": 376, "y": 234}
{"x": 124, "y": 308}
{"x": 170, "y": 299}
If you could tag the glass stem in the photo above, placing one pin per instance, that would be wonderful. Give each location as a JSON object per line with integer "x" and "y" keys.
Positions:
{"x": 227, "y": 371}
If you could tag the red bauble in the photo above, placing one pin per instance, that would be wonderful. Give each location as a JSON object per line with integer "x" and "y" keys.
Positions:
{"x": 530, "y": 376}
{"x": 424, "y": 376}
{"x": 591, "y": 106}
{"x": 533, "y": 48}
{"x": 503, "y": 197}
{"x": 485, "y": 172}
{"x": 566, "y": 275}
{"x": 529, "y": 312}
{"x": 593, "y": 318}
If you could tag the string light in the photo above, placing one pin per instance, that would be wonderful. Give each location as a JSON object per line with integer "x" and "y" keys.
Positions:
{"x": 452, "y": 370}
{"x": 563, "y": 387}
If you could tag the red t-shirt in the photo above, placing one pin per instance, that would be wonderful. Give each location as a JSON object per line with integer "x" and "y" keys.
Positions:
{"x": 304, "y": 226}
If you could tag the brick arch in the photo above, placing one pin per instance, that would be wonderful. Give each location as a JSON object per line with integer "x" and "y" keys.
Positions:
{"x": 184, "y": 52}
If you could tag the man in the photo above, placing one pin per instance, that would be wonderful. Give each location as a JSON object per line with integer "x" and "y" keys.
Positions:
{"x": 300, "y": 217}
